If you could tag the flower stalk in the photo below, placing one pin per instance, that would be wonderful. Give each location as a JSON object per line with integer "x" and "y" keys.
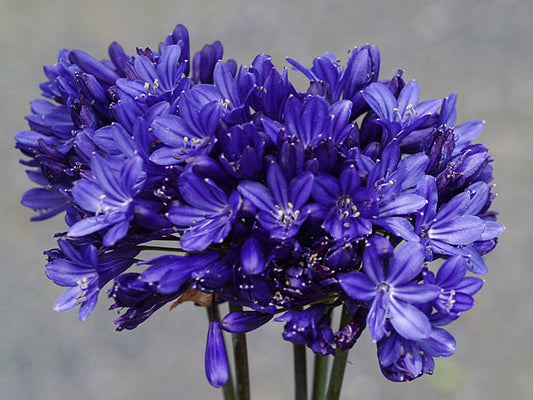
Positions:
{"x": 339, "y": 364}
{"x": 240, "y": 353}
{"x": 300, "y": 372}
{"x": 320, "y": 377}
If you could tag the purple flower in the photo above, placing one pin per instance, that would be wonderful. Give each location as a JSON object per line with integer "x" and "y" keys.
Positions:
{"x": 457, "y": 289}
{"x": 403, "y": 115}
{"x": 361, "y": 70}
{"x": 209, "y": 214}
{"x": 389, "y": 284}
{"x": 150, "y": 82}
{"x": 171, "y": 274}
{"x": 444, "y": 229}
{"x": 272, "y": 88}
{"x": 243, "y": 148}
{"x": 231, "y": 91}
{"x": 312, "y": 121}
{"x": 109, "y": 195}
{"x": 274, "y": 199}
{"x": 85, "y": 272}
{"x": 282, "y": 204}
{"x": 402, "y": 360}
{"x": 186, "y": 135}
{"x": 348, "y": 206}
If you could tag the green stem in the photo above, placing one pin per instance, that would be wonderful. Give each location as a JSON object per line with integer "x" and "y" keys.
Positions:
{"x": 300, "y": 372}
{"x": 320, "y": 377}
{"x": 240, "y": 354}
{"x": 228, "y": 390}
{"x": 339, "y": 364}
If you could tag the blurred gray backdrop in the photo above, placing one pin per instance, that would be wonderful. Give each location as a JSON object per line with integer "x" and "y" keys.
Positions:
{"x": 482, "y": 50}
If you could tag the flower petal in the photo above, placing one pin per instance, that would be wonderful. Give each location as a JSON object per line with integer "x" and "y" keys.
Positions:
{"x": 409, "y": 321}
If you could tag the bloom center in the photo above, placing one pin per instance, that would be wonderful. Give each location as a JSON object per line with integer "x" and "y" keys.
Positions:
{"x": 287, "y": 216}
{"x": 347, "y": 208}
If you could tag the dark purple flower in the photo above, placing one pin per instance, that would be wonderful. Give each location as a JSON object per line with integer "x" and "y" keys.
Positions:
{"x": 272, "y": 88}
{"x": 204, "y": 61}
{"x": 243, "y": 148}
{"x": 310, "y": 327}
{"x": 313, "y": 121}
{"x": 171, "y": 274}
{"x": 232, "y": 92}
{"x": 149, "y": 82}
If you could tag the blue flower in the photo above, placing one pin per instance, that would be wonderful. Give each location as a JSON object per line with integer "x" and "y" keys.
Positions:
{"x": 444, "y": 229}
{"x": 388, "y": 283}
{"x": 186, "y": 135}
{"x": 403, "y": 115}
{"x": 243, "y": 148}
{"x": 170, "y": 274}
{"x": 282, "y": 205}
{"x": 85, "y": 271}
{"x": 150, "y": 82}
{"x": 209, "y": 214}
{"x": 457, "y": 289}
{"x": 271, "y": 88}
{"x": 349, "y": 207}
{"x": 361, "y": 70}
{"x": 274, "y": 199}
{"x": 230, "y": 90}
{"x": 312, "y": 121}
{"x": 402, "y": 360}
{"x": 109, "y": 198}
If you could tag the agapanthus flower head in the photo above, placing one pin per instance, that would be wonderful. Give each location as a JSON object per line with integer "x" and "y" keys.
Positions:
{"x": 289, "y": 202}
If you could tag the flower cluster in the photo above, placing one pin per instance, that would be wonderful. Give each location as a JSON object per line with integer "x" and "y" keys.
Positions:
{"x": 273, "y": 199}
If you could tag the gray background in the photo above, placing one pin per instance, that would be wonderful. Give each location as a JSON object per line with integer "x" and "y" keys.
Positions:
{"x": 479, "y": 49}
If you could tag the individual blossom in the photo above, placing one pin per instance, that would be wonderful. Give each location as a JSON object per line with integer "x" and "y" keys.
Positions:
{"x": 282, "y": 205}
{"x": 388, "y": 283}
{"x": 445, "y": 229}
{"x": 109, "y": 198}
{"x": 85, "y": 272}
{"x": 457, "y": 288}
{"x": 402, "y": 360}
{"x": 349, "y": 207}
{"x": 186, "y": 135}
{"x": 244, "y": 321}
{"x": 209, "y": 214}
{"x": 399, "y": 116}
